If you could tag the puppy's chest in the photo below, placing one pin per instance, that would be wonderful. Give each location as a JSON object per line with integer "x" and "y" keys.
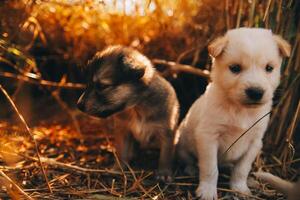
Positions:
{"x": 137, "y": 127}
{"x": 229, "y": 134}
{"x": 141, "y": 129}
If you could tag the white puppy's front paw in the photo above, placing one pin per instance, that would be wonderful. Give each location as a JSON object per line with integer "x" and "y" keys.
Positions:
{"x": 207, "y": 191}
{"x": 240, "y": 187}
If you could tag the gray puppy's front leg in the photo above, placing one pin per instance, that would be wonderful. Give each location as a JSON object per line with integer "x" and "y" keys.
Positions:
{"x": 124, "y": 147}
{"x": 166, "y": 156}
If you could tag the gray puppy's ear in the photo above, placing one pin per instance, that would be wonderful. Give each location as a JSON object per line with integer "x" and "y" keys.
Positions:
{"x": 92, "y": 65}
{"x": 134, "y": 65}
{"x": 216, "y": 47}
{"x": 283, "y": 45}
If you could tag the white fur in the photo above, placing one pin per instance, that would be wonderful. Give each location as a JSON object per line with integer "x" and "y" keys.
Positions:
{"x": 220, "y": 116}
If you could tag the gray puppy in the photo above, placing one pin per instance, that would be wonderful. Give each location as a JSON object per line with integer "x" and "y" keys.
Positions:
{"x": 123, "y": 82}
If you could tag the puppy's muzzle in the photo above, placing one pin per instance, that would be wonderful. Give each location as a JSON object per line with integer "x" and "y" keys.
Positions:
{"x": 254, "y": 94}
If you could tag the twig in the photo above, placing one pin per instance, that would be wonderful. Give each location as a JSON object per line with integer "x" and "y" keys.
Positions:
{"x": 251, "y": 14}
{"x": 21, "y": 83}
{"x": 50, "y": 161}
{"x": 113, "y": 192}
{"x": 182, "y": 68}
{"x": 42, "y": 82}
{"x": 29, "y": 132}
{"x": 147, "y": 193}
{"x": 172, "y": 65}
{"x": 122, "y": 170}
{"x": 267, "y": 10}
{"x": 64, "y": 106}
{"x": 278, "y": 16}
{"x": 283, "y": 98}
{"x": 138, "y": 183}
{"x": 32, "y": 75}
{"x": 53, "y": 162}
{"x": 7, "y": 168}
{"x": 280, "y": 164}
{"x": 15, "y": 185}
{"x": 234, "y": 191}
{"x": 184, "y": 53}
{"x": 294, "y": 123}
{"x": 227, "y": 14}
{"x": 239, "y": 15}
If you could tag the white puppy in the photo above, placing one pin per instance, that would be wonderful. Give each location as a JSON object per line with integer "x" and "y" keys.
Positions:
{"x": 245, "y": 73}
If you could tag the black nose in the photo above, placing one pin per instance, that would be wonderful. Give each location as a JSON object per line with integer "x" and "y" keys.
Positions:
{"x": 80, "y": 105}
{"x": 254, "y": 93}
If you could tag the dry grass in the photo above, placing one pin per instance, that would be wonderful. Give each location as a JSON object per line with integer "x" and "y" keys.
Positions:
{"x": 45, "y": 43}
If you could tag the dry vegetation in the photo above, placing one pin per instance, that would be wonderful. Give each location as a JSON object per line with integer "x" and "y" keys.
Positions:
{"x": 66, "y": 155}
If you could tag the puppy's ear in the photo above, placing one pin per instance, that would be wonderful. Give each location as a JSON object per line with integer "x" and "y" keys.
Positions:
{"x": 92, "y": 65}
{"x": 216, "y": 47}
{"x": 134, "y": 68}
{"x": 283, "y": 45}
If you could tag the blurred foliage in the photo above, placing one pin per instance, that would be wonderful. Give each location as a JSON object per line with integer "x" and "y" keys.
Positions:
{"x": 17, "y": 59}
{"x": 75, "y": 31}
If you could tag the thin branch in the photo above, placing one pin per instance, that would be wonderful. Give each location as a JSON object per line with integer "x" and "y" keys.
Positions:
{"x": 182, "y": 68}
{"x": 184, "y": 53}
{"x": 137, "y": 182}
{"x": 239, "y": 15}
{"x": 53, "y": 162}
{"x": 64, "y": 106}
{"x": 42, "y": 82}
{"x": 227, "y": 20}
{"x": 250, "y": 196}
{"x": 267, "y": 12}
{"x": 20, "y": 70}
{"x": 176, "y": 67}
{"x": 122, "y": 170}
{"x": 252, "y": 14}
{"x": 29, "y": 132}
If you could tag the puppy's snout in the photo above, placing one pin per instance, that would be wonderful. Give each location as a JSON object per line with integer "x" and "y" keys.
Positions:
{"x": 80, "y": 106}
{"x": 254, "y": 93}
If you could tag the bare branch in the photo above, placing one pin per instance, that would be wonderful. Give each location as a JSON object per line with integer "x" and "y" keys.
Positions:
{"x": 182, "y": 68}
{"x": 42, "y": 82}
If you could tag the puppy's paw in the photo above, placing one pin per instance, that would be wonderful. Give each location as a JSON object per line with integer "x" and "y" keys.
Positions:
{"x": 240, "y": 187}
{"x": 206, "y": 191}
{"x": 164, "y": 176}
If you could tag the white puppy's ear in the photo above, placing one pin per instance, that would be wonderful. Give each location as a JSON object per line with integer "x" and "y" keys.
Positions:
{"x": 284, "y": 46}
{"x": 216, "y": 47}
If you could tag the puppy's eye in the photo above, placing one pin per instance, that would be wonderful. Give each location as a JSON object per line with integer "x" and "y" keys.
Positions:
{"x": 235, "y": 68}
{"x": 99, "y": 86}
{"x": 269, "y": 68}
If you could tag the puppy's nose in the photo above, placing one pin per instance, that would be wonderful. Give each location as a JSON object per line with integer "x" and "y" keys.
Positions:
{"x": 80, "y": 105}
{"x": 254, "y": 93}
